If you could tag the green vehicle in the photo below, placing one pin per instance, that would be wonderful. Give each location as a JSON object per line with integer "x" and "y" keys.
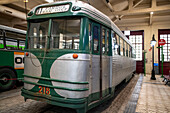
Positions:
{"x": 75, "y": 56}
{"x": 12, "y": 44}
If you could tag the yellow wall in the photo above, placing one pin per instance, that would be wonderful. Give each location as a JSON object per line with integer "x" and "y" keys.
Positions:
{"x": 148, "y": 33}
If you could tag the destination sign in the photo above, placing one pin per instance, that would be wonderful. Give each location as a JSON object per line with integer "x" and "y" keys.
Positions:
{"x": 52, "y": 9}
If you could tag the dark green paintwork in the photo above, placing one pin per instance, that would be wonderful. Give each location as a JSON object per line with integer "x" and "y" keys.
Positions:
{"x": 55, "y": 87}
{"x": 7, "y": 61}
{"x": 63, "y": 81}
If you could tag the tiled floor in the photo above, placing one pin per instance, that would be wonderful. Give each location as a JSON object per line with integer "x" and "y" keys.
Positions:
{"x": 154, "y": 96}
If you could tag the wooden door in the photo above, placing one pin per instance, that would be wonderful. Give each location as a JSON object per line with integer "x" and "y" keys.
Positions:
{"x": 137, "y": 40}
{"x": 164, "y": 34}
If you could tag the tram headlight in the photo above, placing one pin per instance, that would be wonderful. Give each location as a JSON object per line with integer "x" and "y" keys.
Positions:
{"x": 75, "y": 56}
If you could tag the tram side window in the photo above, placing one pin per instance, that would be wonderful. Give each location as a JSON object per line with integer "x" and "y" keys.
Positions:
{"x": 65, "y": 33}
{"x": 11, "y": 44}
{"x": 1, "y": 40}
{"x": 130, "y": 51}
{"x": 96, "y": 39}
{"x": 38, "y": 34}
{"x": 103, "y": 41}
{"x": 114, "y": 43}
{"x": 127, "y": 49}
{"x": 118, "y": 43}
{"x": 90, "y": 36}
{"x": 124, "y": 48}
{"x": 21, "y": 45}
{"x": 133, "y": 53}
{"x": 121, "y": 46}
{"x": 107, "y": 42}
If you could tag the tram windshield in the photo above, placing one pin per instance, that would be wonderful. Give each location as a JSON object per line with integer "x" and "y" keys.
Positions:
{"x": 65, "y": 33}
{"x": 38, "y": 34}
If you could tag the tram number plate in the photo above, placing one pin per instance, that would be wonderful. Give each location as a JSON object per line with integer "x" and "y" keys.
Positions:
{"x": 44, "y": 90}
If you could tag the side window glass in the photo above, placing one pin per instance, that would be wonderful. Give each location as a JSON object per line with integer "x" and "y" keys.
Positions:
{"x": 11, "y": 44}
{"x": 107, "y": 42}
{"x": 121, "y": 46}
{"x": 118, "y": 43}
{"x": 35, "y": 38}
{"x": 114, "y": 44}
{"x": 1, "y": 40}
{"x": 90, "y": 36}
{"x": 127, "y": 47}
{"x": 96, "y": 39}
{"x": 103, "y": 41}
{"x": 21, "y": 45}
{"x": 124, "y": 48}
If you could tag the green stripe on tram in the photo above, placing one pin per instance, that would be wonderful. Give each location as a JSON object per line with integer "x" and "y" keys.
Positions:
{"x": 55, "y": 87}
{"x": 56, "y": 80}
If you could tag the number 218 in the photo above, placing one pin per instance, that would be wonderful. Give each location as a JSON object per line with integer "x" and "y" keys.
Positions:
{"x": 44, "y": 90}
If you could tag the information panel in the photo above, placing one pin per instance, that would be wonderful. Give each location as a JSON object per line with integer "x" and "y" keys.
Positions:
{"x": 52, "y": 9}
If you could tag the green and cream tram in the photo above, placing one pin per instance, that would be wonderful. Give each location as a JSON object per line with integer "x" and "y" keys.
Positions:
{"x": 75, "y": 56}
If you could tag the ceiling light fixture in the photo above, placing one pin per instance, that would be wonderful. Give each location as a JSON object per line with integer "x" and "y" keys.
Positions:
{"x": 151, "y": 13}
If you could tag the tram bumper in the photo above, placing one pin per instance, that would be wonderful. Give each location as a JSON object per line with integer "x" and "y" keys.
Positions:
{"x": 63, "y": 102}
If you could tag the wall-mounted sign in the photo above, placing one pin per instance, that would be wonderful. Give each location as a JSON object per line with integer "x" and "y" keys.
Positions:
{"x": 52, "y": 9}
{"x": 162, "y": 42}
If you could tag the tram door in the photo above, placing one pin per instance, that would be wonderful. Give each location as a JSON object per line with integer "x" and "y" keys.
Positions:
{"x": 96, "y": 82}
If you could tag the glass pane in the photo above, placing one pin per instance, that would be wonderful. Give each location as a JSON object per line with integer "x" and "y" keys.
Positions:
{"x": 38, "y": 34}
{"x": 168, "y": 39}
{"x": 21, "y": 45}
{"x": 96, "y": 39}
{"x": 1, "y": 39}
{"x": 90, "y": 36}
{"x": 121, "y": 46}
{"x": 65, "y": 33}
{"x": 107, "y": 41}
{"x": 161, "y": 36}
{"x": 165, "y": 36}
{"x": 11, "y": 44}
{"x": 103, "y": 40}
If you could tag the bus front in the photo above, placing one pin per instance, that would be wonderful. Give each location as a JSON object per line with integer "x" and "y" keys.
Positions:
{"x": 56, "y": 60}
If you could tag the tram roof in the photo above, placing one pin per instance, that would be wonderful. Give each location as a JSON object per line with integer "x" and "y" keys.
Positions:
{"x": 12, "y": 29}
{"x": 86, "y": 10}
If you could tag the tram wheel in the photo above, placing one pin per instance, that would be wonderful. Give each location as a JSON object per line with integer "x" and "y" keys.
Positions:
{"x": 7, "y": 79}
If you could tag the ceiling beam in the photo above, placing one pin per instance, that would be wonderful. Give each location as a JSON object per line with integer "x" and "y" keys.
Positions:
{"x": 153, "y": 4}
{"x": 8, "y": 1}
{"x": 130, "y": 4}
{"x": 140, "y": 1}
{"x": 107, "y": 3}
{"x": 146, "y": 10}
{"x": 141, "y": 24}
{"x": 150, "y": 20}
{"x": 12, "y": 12}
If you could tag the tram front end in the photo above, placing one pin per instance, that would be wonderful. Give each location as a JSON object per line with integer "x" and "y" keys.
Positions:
{"x": 56, "y": 64}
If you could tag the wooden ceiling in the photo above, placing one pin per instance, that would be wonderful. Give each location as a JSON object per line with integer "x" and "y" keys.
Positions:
{"x": 122, "y": 12}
